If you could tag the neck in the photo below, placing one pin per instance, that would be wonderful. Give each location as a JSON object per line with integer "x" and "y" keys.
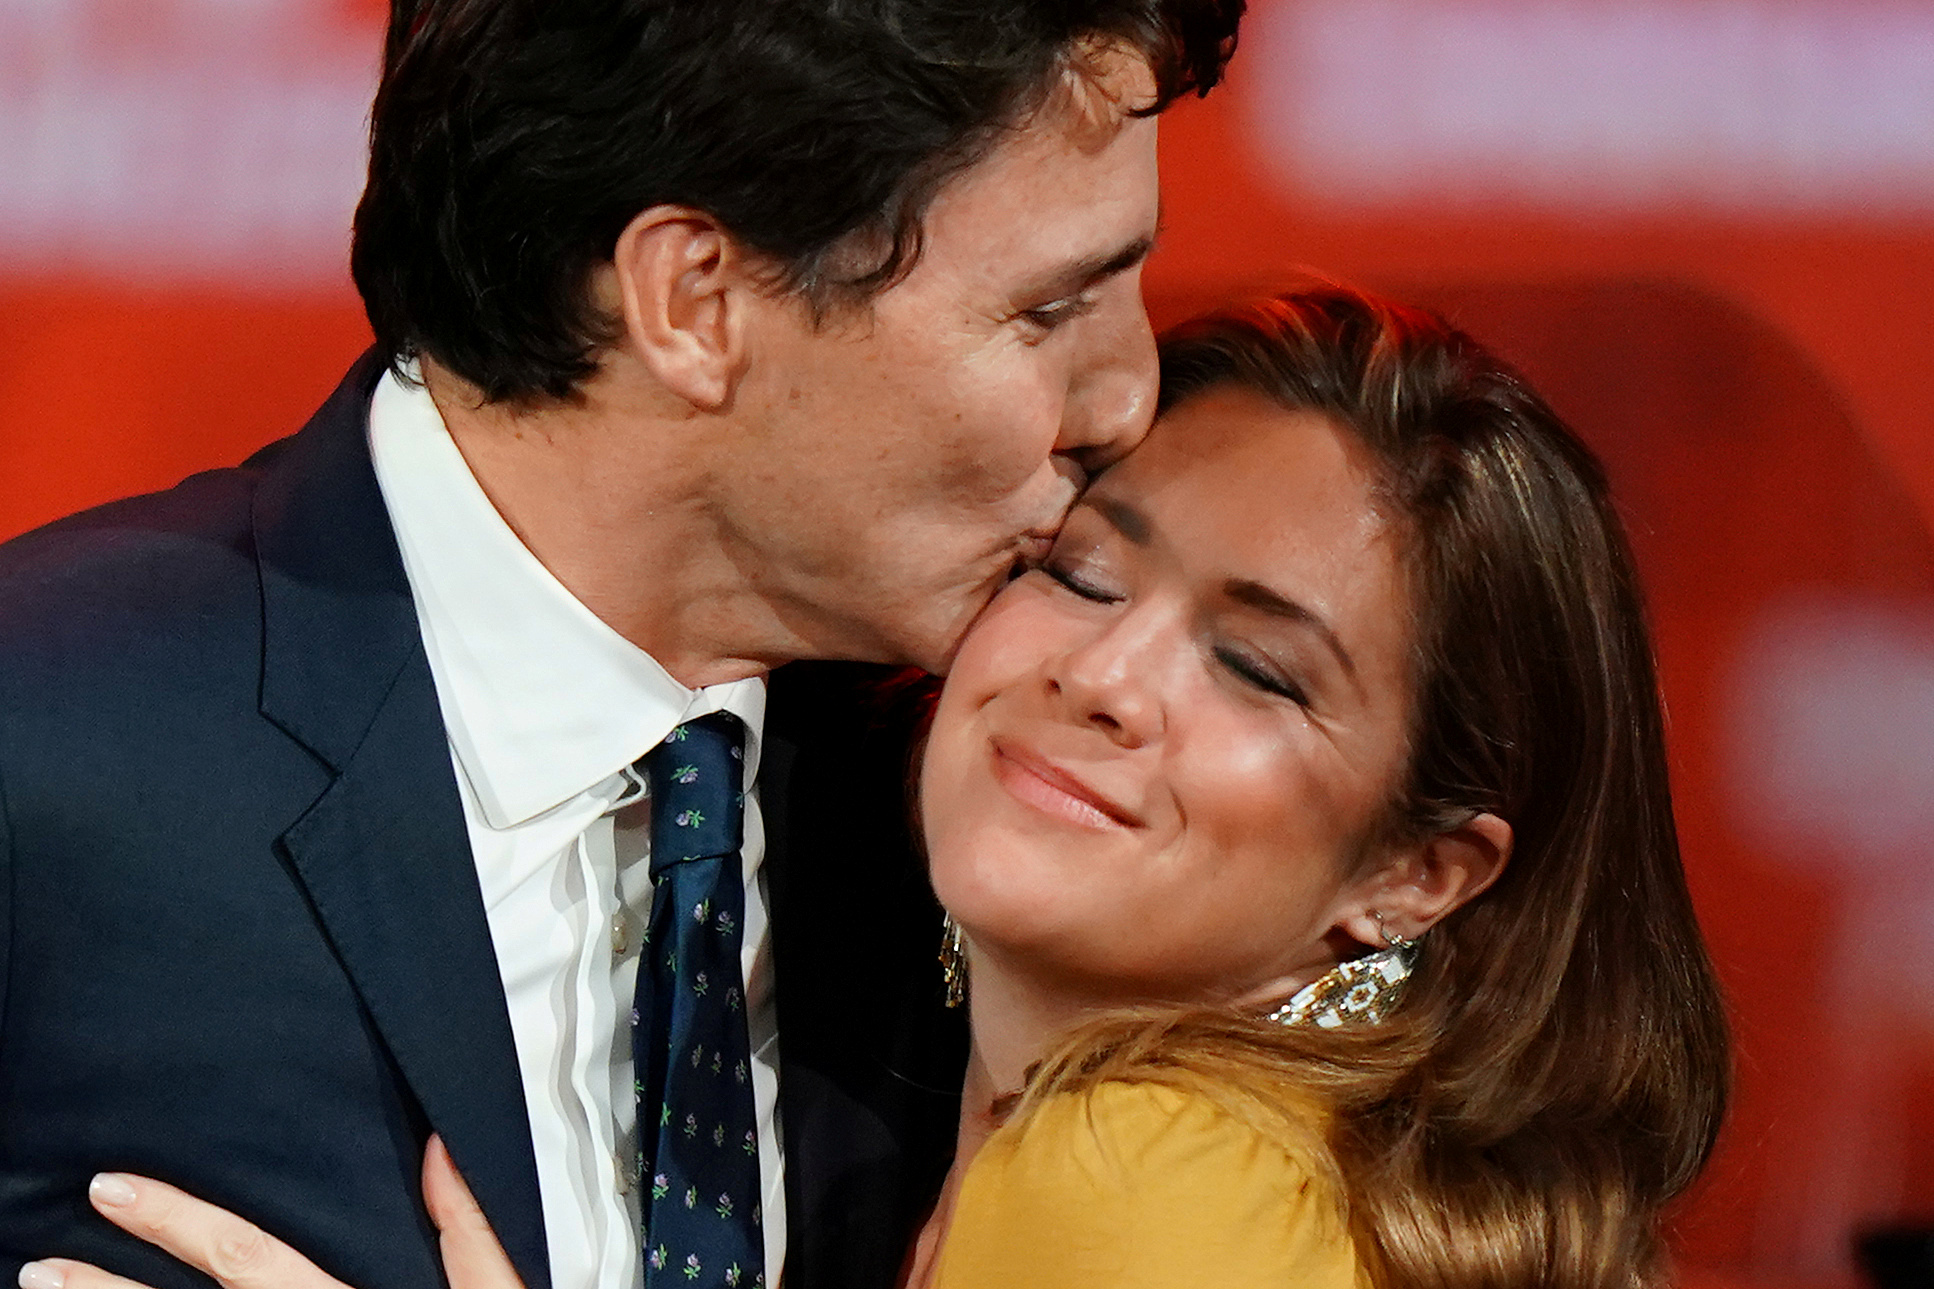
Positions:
{"x": 615, "y": 492}
{"x": 1013, "y": 1023}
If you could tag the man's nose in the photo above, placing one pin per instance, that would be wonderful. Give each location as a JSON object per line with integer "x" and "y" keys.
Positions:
{"x": 1112, "y": 402}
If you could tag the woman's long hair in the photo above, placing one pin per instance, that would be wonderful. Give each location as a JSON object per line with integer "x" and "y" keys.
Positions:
{"x": 1558, "y": 1068}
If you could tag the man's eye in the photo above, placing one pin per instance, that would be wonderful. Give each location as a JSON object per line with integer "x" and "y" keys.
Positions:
{"x": 1049, "y": 316}
{"x": 1261, "y": 675}
{"x": 1079, "y": 585}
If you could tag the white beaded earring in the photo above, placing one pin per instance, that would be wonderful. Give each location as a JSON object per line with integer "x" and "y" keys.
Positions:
{"x": 1361, "y": 991}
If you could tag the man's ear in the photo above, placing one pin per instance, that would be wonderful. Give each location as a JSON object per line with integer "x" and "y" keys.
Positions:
{"x": 1428, "y": 880}
{"x": 679, "y": 277}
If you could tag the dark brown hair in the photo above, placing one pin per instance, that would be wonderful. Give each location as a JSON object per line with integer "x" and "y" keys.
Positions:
{"x": 1558, "y": 1069}
{"x": 513, "y": 140}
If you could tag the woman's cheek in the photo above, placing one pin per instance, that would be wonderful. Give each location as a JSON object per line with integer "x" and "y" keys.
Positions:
{"x": 1019, "y": 632}
{"x": 1235, "y": 776}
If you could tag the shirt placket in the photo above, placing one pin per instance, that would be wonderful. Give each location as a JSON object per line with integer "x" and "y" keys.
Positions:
{"x": 592, "y": 1040}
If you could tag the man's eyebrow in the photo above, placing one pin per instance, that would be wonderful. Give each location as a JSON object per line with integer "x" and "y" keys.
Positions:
{"x": 1131, "y": 523}
{"x": 1083, "y": 274}
{"x": 1257, "y": 596}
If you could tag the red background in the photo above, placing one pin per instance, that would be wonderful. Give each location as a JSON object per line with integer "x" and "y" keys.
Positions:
{"x": 1758, "y": 385}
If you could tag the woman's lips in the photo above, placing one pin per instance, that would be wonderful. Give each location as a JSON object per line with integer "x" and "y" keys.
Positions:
{"x": 1047, "y": 787}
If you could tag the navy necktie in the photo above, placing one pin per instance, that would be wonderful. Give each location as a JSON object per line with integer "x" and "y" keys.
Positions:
{"x": 697, "y": 1130}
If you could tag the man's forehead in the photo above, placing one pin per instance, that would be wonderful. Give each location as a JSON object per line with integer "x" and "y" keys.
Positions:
{"x": 1044, "y": 196}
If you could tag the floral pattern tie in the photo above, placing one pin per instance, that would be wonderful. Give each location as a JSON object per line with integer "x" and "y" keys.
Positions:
{"x": 697, "y": 1129}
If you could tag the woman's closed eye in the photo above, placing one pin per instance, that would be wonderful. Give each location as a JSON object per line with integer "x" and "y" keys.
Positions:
{"x": 1081, "y": 582}
{"x": 1261, "y": 673}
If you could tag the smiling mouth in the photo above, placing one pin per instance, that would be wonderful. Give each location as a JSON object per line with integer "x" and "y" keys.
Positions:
{"x": 1054, "y": 791}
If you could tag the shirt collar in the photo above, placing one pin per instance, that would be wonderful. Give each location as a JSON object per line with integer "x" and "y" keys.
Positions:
{"x": 541, "y": 699}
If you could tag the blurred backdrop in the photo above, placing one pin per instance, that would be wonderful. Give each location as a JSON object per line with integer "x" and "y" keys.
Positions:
{"x": 1705, "y": 227}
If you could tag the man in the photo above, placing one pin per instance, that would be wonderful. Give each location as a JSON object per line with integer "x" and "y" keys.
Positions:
{"x": 710, "y": 336}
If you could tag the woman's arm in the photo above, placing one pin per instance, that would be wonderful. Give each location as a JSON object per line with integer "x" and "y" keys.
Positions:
{"x": 240, "y": 1255}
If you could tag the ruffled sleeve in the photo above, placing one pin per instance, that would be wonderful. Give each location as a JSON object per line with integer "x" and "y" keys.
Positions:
{"x": 1135, "y": 1186}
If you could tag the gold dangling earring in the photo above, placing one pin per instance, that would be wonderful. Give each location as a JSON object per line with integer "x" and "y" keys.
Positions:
{"x": 953, "y": 961}
{"x": 1361, "y": 991}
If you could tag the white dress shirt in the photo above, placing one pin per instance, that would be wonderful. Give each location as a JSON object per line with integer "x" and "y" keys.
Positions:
{"x": 546, "y": 708}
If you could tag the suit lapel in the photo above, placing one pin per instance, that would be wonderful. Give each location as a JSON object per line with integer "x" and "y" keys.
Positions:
{"x": 384, "y": 854}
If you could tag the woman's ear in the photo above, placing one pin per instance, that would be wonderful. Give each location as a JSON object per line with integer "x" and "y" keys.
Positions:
{"x": 678, "y": 276}
{"x": 1428, "y": 880}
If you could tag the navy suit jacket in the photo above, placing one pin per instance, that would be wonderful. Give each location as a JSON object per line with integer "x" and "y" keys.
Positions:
{"x": 242, "y": 945}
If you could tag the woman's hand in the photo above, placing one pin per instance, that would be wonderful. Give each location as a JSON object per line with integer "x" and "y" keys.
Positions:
{"x": 472, "y": 1258}
{"x": 241, "y": 1255}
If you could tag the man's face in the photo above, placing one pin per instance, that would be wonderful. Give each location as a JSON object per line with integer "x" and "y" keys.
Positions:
{"x": 899, "y": 462}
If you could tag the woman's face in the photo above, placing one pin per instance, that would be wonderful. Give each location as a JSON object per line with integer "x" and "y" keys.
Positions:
{"x": 1158, "y": 757}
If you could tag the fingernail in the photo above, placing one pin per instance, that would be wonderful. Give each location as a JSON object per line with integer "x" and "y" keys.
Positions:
{"x": 38, "y": 1275}
{"x": 111, "y": 1190}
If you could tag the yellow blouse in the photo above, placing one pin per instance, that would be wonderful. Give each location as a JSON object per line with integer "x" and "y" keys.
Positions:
{"x": 1138, "y": 1186}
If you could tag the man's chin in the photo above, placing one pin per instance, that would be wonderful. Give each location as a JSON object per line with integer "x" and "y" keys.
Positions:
{"x": 936, "y": 656}
{"x": 926, "y": 631}
{"x": 941, "y": 622}
{"x": 947, "y": 644}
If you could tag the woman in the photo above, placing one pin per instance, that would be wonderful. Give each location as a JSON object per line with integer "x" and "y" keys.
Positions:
{"x": 1340, "y": 678}
{"x": 1366, "y": 600}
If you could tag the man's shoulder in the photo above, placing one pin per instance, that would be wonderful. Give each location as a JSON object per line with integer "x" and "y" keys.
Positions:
{"x": 210, "y": 506}
{"x": 163, "y": 559}
{"x": 167, "y": 565}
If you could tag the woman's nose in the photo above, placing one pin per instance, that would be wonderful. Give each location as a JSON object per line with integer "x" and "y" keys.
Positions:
{"x": 1114, "y": 682}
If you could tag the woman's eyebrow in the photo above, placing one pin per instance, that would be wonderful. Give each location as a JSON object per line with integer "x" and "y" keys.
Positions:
{"x": 1125, "y": 519}
{"x": 1257, "y": 596}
